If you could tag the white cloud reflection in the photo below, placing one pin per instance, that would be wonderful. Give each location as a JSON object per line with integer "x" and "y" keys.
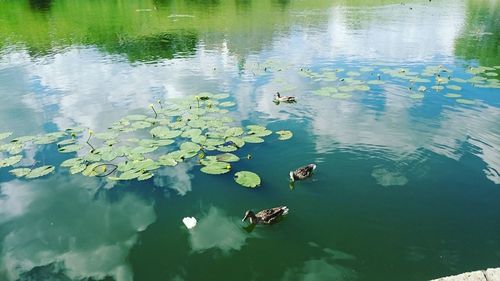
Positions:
{"x": 61, "y": 221}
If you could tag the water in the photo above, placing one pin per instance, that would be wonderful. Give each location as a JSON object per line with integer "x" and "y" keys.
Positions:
{"x": 406, "y": 186}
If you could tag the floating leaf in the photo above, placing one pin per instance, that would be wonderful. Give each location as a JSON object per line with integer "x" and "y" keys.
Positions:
{"x": 190, "y": 147}
{"x": 234, "y": 132}
{"x": 71, "y": 162}
{"x": 459, "y": 80}
{"x": 465, "y": 101}
{"x": 70, "y": 148}
{"x": 66, "y": 142}
{"x": 227, "y": 148}
{"x": 191, "y": 133}
{"x": 416, "y": 96}
{"x": 452, "y": 95}
{"x": 141, "y": 125}
{"x": 247, "y": 179}
{"x": 262, "y": 133}
{"x": 216, "y": 168}
{"x": 10, "y": 161}
{"x": 227, "y": 157}
{"x": 20, "y": 172}
{"x": 454, "y": 87}
{"x": 167, "y": 160}
{"x": 5, "y": 135}
{"x": 106, "y": 136}
{"x": 491, "y": 74}
{"x": 145, "y": 176}
{"x": 136, "y": 117}
{"x": 143, "y": 149}
{"x": 77, "y": 168}
{"x": 422, "y": 89}
{"x": 437, "y": 88}
{"x": 227, "y": 104}
{"x": 353, "y": 73}
{"x": 376, "y": 82}
{"x": 284, "y": 135}
{"x": 164, "y": 133}
{"x": 40, "y": 172}
{"x": 253, "y": 139}
{"x": 341, "y": 96}
{"x": 221, "y": 96}
{"x": 238, "y": 142}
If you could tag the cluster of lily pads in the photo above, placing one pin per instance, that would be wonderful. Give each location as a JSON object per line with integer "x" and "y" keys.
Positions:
{"x": 438, "y": 78}
{"x": 196, "y": 127}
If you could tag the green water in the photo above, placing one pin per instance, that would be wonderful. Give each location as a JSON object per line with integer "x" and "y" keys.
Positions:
{"x": 407, "y": 184}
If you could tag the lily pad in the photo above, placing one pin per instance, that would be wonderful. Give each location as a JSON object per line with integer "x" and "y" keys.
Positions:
{"x": 20, "y": 172}
{"x": 10, "y": 161}
{"x": 216, "y": 168}
{"x": 221, "y": 96}
{"x": 452, "y": 95}
{"x": 70, "y": 148}
{"x": 40, "y": 172}
{"x": 167, "y": 160}
{"x": 466, "y": 101}
{"x": 227, "y": 157}
{"x": 252, "y": 139}
{"x": 247, "y": 179}
{"x": 5, "y": 135}
{"x": 71, "y": 162}
{"x": 227, "y": 104}
{"x": 416, "y": 96}
{"x": 190, "y": 147}
{"x": 234, "y": 132}
{"x": 454, "y": 87}
{"x": 164, "y": 133}
{"x": 284, "y": 135}
{"x": 341, "y": 96}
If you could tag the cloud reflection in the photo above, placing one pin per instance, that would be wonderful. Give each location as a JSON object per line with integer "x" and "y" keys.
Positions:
{"x": 61, "y": 221}
{"x": 215, "y": 230}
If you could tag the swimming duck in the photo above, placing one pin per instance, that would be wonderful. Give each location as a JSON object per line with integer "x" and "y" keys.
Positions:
{"x": 278, "y": 98}
{"x": 302, "y": 172}
{"x": 267, "y": 216}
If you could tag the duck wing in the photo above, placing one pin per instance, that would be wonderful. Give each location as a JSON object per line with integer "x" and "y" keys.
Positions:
{"x": 305, "y": 171}
{"x": 269, "y": 215}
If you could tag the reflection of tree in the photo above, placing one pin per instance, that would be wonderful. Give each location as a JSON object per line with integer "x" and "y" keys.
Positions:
{"x": 480, "y": 38}
{"x": 40, "y": 5}
{"x": 158, "y": 46}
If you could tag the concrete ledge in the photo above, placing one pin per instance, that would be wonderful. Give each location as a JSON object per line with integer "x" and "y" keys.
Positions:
{"x": 491, "y": 274}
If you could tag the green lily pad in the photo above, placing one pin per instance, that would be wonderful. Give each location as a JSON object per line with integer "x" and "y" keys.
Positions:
{"x": 221, "y": 96}
{"x": 341, "y": 96}
{"x": 40, "y": 172}
{"x": 190, "y": 147}
{"x": 141, "y": 125}
{"x": 20, "y": 172}
{"x": 197, "y": 123}
{"x": 226, "y": 148}
{"x": 145, "y": 176}
{"x": 5, "y": 135}
{"x": 422, "y": 89}
{"x": 454, "y": 87}
{"x": 216, "y": 168}
{"x": 284, "y": 135}
{"x": 452, "y": 95}
{"x": 238, "y": 142}
{"x": 191, "y": 133}
{"x": 227, "y": 157}
{"x": 10, "y": 161}
{"x": 247, "y": 179}
{"x": 416, "y": 96}
{"x": 71, "y": 162}
{"x": 252, "y": 139}
{"x": 70, "y": 148}
{"x": 143, "y": 149}
{"x": 164, "y": 133}
{"x": 227, "y": 104}
{"x": 466, "y": 101}
{"x": 353, "y": 73}
{"x": 167, "y": 160}
{"x": 106, "y": 136}
{"x": 376, "y": 82}
{"x": 77, "y": 168}
{"x": 261, "y": 133}
{"x": 491, "y": 74}
{"x": 136, "y": 117}
{"x": 437, "y": 88}
{"x": 459, "y": 80}
{"x": 67, "y": 142}
{"x": 234, "y": 132}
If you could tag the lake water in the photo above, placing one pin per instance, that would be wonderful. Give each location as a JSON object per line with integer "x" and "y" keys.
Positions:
{"x": 398, "y": 105}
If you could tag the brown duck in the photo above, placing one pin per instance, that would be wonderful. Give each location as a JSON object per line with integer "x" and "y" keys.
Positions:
{"x": 302, "y": 172}
{"x": 278, "y": 98}
{"x": 267, "y": 216}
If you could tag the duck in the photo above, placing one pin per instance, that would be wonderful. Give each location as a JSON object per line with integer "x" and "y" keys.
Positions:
{"x": 302, "y": 172}
{"x": 278, "y": 98}
{"x": 267, "y": 216}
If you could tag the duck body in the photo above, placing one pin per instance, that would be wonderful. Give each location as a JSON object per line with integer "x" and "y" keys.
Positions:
{"x": 278, "y": 98}
{"x": 268, "y": 216}
{"x": 302, "y": 172}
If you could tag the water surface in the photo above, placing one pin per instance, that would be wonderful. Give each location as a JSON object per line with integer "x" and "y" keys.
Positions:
{"x": 407, "y": 185}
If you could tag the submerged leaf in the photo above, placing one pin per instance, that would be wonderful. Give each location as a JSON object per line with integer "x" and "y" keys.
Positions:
{"x": 247, "y": 179}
